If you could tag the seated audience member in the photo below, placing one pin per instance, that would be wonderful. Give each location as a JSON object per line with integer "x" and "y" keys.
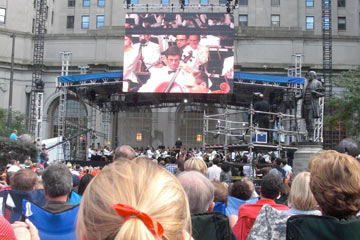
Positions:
{"x": 84, "y": 182}
{"x": 124, "y": 151}
{"x": 335, "y": 183}
{"x": 220, "y": 196}
{"x": 58, "y": 182}
{"x": 195, "y": 164}
{"x": 24, "y": 180}
{"x": 200, "y": 191}
{"x": 271, "y": 223}
{"x": 172, "y": 167}
{"x": 270, "y": 189}
{"x": 155, "y": 205}
{"x": 241, "y": 192}
{"x": 225, "y": 175}
{"x": 205, "y": 222}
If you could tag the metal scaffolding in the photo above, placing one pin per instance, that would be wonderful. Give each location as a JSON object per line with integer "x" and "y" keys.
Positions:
{"x": 36, "y": 98}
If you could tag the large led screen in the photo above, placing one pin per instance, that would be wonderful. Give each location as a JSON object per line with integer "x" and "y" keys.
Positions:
{"x": 179, "y": 53}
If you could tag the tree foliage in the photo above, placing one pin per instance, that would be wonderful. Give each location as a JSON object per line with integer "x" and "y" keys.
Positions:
{"x": 346, "y": 104}
{"x": 10, "y": 150}
{"x": 18, "y": 122}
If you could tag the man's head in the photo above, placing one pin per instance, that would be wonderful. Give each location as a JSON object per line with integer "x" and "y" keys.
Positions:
{"x": 124, "y": 151}
{"x": 271, "y": 186}
{"x": 199, "y": 190}
{"x": 15, "y": 131}
{"x": 181, "y": 41}
{"x": 311, "y": 75}
{"x": 194, "y": 41}
{"x": 57, "y": 181}
{"x": 144, "y": 38}
{"x": 127, "y": 40}
{"x": 197, "y": 83}
{"x": 173, "y": 56}
{"x": 241, "y": 190}
{"x": 24, "y": 180}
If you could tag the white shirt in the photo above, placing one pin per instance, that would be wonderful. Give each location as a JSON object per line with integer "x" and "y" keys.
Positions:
{"x": 213, "y": 173}
{"x": 130, "y": 63}
{"x": 199, "y": 56}
{"x": 161, "y": 75}
{"x": 150, "y": 53}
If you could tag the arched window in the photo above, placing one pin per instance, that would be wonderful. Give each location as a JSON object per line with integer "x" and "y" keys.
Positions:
{"x": 135, "y": 126}
{"x": 75, "y": 123}
{"x": 190, "y": 125}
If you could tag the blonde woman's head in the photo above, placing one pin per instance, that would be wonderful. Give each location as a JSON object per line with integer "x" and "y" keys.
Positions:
{"x": 195, "y": 164}
{"x": 300, "y": 196}
{"x": 141, "y": 184}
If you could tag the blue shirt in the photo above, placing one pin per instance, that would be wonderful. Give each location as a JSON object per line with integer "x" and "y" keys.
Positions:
{"x": 13, "y": 137}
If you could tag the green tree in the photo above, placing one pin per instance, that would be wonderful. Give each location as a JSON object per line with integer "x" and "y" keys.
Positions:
{"x": 18, "y": 122}
{"x": 346, "y": 104}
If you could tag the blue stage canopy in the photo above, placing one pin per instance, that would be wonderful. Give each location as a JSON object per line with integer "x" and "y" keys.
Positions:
{"x": 269, "y": 78}
{"x": 238, "y": 75}
{"x": 90, "y": 77}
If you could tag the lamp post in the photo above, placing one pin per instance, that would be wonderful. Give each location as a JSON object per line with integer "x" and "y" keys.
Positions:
{"x": 11, "y": 80}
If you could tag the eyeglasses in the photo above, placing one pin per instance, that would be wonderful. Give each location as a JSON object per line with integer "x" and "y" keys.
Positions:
{"x": 177, "y": 40}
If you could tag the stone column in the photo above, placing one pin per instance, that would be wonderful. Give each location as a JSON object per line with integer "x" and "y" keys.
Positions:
{"x": 303, "y": 155}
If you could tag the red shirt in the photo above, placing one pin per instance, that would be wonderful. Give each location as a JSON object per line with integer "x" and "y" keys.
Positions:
{"x": 247, "y": 215}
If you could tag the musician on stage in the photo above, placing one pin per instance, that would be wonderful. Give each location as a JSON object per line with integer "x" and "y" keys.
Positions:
{"x": 199, "y": 54}
{"x": 167, "y": 73}
{"x": 149, "y": 52}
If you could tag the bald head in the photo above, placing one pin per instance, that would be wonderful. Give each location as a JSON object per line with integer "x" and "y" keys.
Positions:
{"x": 199, "y": 190}
{"x": 124, "y": 151}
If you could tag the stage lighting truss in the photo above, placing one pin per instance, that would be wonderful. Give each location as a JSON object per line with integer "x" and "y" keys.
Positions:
{"x": 180, "y": 6}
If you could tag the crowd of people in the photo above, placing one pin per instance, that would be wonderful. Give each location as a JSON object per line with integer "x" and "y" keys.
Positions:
{"x": 178, "y": 195}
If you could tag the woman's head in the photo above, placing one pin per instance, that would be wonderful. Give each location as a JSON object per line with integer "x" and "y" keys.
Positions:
{"x": 335, "y": 183}
{"x": 142, "y": 185}
{"x": 300, "y": 196}
{"x": 84, "y": 181}
{"x": 195, "y": 164}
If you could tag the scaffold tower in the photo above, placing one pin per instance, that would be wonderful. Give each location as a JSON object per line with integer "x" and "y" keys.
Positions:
{"x": 36, "y": 99}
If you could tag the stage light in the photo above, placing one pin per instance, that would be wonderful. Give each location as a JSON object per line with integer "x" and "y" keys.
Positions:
{"x": 185, "y": 100}
{"x": 39, "y": 84}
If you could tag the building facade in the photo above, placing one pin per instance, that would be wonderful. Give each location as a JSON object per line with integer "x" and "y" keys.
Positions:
{"x": 267, "y": 35}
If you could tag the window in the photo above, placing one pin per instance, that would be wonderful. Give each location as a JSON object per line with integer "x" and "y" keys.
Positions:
{"x": 243, "y": 20}
{"x": 134, "y": 1}
{"x": 222, "y": 1}
{"x": 275, "y": 2}
{"x": 85, "y": 22}
{"x": 341, "y": 3}
{"x": 204, "y": 2}
{"x": 52, "y": 17}
{"x": 2, "y": 15}
{"x": 86, "y": 3}
{"x": 71, "y": 3}
{"x": 275, "y": 20}
{"x": 341, "y": 23}
{"x": 101, "y": 3}
{"x": 100, "y": 21}
{"x": 309, "y": 3}
{"x": 309, "y": 23}
{"x": 165, "y": 2}
{"x": 70, "y": 22}
{"x": 243, "y": 2}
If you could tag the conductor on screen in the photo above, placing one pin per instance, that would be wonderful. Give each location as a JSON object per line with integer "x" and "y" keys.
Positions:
{"x": 167, "y": 78}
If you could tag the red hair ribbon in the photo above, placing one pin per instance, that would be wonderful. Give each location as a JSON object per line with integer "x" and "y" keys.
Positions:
{"x": 127, "y": 211}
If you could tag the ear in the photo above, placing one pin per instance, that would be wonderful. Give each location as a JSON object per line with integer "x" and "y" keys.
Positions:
{"x": 211, "y": 207}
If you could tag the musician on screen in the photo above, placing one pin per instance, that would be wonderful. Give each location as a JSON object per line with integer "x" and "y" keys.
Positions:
{"x": 149, "y": 52}
{"x": 199, "y": 54}
{"x": 167, "y": 78}
{"x": 197, "y": 82}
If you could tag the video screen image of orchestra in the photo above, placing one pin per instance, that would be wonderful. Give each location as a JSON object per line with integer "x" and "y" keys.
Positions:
{"x": 179, "y": 53}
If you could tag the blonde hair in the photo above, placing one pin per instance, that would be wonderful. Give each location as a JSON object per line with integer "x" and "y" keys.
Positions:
{"x": 141, "y": 184}
{"x": 300, "y": 196}
{"x": 335, "y": 183}
{"x": 195, "y": 164}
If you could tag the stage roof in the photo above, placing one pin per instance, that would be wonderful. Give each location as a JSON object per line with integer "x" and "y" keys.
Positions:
{"x": 111, "y": 76}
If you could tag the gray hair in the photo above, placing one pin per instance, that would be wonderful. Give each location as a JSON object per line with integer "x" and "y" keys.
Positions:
{"x": 57, "y": 180}
{"x": 124, "y": 151}
{"x": 199, "y": 190}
